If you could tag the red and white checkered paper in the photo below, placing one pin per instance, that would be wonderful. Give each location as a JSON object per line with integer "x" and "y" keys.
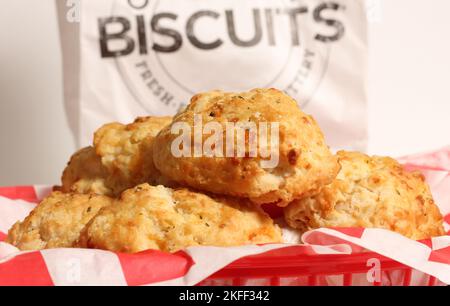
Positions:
{"x": 194, "y": 265}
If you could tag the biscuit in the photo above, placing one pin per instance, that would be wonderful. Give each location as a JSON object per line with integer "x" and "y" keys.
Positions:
{"x": 56, "y": 222}
{"x": 305, "y": 161}
{"x": 161, "y": 218}
{"x": 371, "y": 192}
{"x": 122, "y": 157}
{"x": 85, "y": 173}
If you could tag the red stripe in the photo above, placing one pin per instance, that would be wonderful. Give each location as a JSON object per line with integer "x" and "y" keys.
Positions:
{"x": 442, "y": 256}
{"x": 320, "y": 238}
{"x": 447, "y": 219}
{"x": 422, "y": 168}
{"x": 427, "y": 242}
{"x": 437, "y": 160}
{"x": 153, "y": 266}
{"x": 2, "y": 236}
{"x": 28, "y": 269}
{"x": 353, "y": 232}
{"x": 26, "y": 193}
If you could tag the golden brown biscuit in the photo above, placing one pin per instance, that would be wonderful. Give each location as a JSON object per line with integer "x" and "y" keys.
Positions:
{"x": 161, "y": 218}
{"x": 86, "y": 174}
{"x": 57, "y": 221}
{"x": 122, "y": 158}
{"x": 305, "y": 162}
{"x": 371, "y": 192}
{"x": 127, "y": 151}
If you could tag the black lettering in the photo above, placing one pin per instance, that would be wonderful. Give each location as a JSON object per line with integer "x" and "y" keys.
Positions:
{"x": 138, "y": 6}
{"x": 105, "y": 37}
{"x": 292, "y": 13}
{"x": 191, "y": 35}
{"x": 232, "y": 29}
{"x": 167, "y": 98}
{"x": 318, "y": 17}
{"x": 177, "y": 39}
{"x": 158, "y": 91}
{"x": 142, "y": 35}
{"x": 147, "y": 74}
{"x": 309, "y": 53}
{"x": 153, "y": 83}
{"x": 142, "y": 64}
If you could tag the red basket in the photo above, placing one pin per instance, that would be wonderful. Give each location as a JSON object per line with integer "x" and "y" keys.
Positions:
{"x": 310, "y": 270}
{"x": 288, "y": 266}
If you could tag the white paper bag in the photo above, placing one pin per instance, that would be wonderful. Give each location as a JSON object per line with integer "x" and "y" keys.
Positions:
{"x": 128, "y": 58}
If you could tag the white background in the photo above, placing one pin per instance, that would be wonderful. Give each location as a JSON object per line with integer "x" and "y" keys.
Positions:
{"x": 409, "y": 86}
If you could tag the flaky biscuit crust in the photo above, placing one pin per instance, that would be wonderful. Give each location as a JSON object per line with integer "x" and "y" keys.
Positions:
{"x": 127, "y": 151}
{"x": 56, "y": 222}
{"x": 122, "y": 157}
{"x": 161, "y": 218}
{"x": 371, "y": 192}
{"x": 306, "y": 163}
{"x": 86, "y": 174}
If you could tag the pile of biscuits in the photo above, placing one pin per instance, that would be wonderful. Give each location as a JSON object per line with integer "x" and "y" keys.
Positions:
{"x": 129, "y": 192}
